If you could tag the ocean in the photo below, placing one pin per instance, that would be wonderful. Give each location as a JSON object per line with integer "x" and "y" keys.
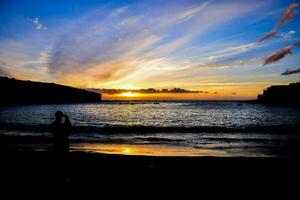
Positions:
{"x": 165, "y": 128}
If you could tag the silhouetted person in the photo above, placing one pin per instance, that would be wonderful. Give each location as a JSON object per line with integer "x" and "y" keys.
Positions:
{"x": 61, "y": 128}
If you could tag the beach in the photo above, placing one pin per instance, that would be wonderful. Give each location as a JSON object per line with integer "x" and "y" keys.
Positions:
{"x": 110, "y": 174}
{"x": 154, "y": 149}
{"x": 28, "y": 168}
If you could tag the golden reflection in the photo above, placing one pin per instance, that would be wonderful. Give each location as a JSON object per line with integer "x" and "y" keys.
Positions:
{"x": 147, "y": 150}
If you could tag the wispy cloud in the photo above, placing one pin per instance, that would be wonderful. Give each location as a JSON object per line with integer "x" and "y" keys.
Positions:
{"x": 167, "y": 46}
{"x": 142, "y": 46}
{"x": 268, "y": 35}
{"x": 119, "y": 11}
{"x": 186, "y": 15}
{"x": 288, "y": 35}
{"x": 231, "y": 51}
{"x": 38, "y": 25}
{"x": 21, "y": 60}
{"x": 289, "y": 14}
{"x": 131, "y": 21}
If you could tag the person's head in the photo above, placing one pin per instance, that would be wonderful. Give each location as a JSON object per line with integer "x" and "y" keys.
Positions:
{"x": 59, "y": 115}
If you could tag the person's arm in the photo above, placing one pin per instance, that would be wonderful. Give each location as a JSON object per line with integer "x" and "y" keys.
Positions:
{"x": 50, "y": 126}
{"x": 67, "y": 121}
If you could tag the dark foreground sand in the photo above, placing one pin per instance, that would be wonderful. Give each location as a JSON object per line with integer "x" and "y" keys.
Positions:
{"x": 33, "y": 169}
{"x": 117, "y": 175}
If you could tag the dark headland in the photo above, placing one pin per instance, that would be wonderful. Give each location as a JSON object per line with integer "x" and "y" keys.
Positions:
{"x": 281, "y": 95}
{"x": 29, "y": 92}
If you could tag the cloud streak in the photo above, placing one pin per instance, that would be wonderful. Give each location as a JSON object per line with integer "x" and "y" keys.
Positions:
{"x": 289, "y": 14}
{"x": 119, "y": 11}
{"x": 279, "y": 55}
{"x": 179, "y": 44}
{"x": 116, "y": 50}
{"x": 289, "y": 72}
{"x": 268, "y": 35}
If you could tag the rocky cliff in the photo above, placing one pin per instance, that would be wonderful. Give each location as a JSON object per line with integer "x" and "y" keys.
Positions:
{"x": 281, "y": 94}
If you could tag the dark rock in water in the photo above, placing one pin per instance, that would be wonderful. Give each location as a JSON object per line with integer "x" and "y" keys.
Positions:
{"x": 281, "y": 94}
{"x": 28, "y": 92}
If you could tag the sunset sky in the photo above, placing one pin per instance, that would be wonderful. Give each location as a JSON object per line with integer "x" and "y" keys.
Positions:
{"x": 192, "y": 44}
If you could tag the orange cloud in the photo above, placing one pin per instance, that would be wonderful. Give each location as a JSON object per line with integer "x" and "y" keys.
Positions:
{"x": 289, "y": 14}
{"x": 279, "y": 55}
{"x": 268, "y": 35}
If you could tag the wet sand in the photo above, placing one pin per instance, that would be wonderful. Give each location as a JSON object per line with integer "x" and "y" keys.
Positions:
{"x": 84, "y": 168}
{"x": 21, "y": 168}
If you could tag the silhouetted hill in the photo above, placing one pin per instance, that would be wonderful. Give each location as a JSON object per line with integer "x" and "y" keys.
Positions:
{"x": 281, "y": 94}
{"x": 28, "y": 92}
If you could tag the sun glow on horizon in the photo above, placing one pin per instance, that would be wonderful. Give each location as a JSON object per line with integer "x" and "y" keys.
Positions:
{"x": 126, "y": 150}
{"x": 226, "y": 92}
{"x": 128, "y": 94}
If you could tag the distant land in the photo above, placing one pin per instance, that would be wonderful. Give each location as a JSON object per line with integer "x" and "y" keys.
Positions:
{"x": 15, "y": 91}
{"x": 281, "y": 95}
{"x": 145, "y": 91}
{"x": 29, "y": 92}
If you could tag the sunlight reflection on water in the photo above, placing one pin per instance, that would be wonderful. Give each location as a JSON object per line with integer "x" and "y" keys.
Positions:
{"x": 199, "y": 113}
{"x": 147, "y": 150}
{"x": 160, "y": 150}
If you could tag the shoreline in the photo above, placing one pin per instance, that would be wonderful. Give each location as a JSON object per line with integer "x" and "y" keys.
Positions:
{"x": 34, "y": 169}
{"x": 154, "y": 146}
{"x": 281, "y": 142}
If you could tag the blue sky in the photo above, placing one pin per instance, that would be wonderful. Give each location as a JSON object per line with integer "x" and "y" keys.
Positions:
{"x": 192, "y": 44}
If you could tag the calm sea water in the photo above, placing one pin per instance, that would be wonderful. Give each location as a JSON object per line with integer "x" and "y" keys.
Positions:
{"x": 145, "y": 113}
{"x": 162, "y": 114}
